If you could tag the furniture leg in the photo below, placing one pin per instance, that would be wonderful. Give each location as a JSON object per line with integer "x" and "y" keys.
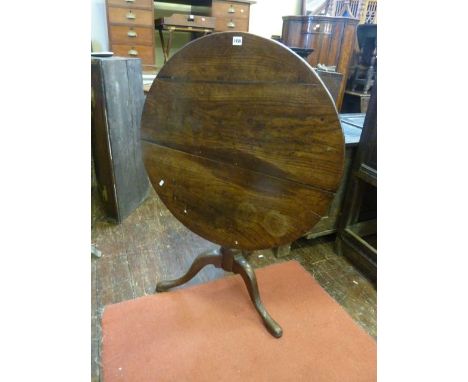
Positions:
{"x": 163, "y": 47}
{"x": 169, "y": 43}
{"x": 206, "y": 258}
{"x": 241, "y": 266}
{"x": 230, "y": 261}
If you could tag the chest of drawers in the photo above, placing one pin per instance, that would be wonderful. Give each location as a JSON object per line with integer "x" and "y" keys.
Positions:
{"x": 131, "y": 29}
{"x": 231, "y": 15}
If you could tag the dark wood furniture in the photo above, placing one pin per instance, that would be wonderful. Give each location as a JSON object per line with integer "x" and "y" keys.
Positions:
{"x": 363, "y": 73}
{"x": 332, "y": 38}
{"x": 244, "y": 153}
{"x": 115, "y": 126}
{"x": 355, "y": 102}
{"x": 231, "y": 15}
{"x": 130, "y": 25}
{"x": 357, "y": 228}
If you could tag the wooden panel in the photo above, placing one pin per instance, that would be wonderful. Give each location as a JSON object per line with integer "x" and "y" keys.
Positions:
{"x": 244, "y": 65}
{"x": 230, "y": 9}
{"x": 226, "y": 112}
{"x": 130, "y": 16}
{"x": 332, "y": 81}
{"x": 332, "y": 39}
{"x": 148, "y": 4}
{"x": 328, "y": 223}
{"x": 146, "y": 53}
{"x": 368, "y": 151}
{"x": 231, "y": 24}
{"x": 245, "y": 153}
{"x": 117, "y": 85}
{"x": 325, "y": 41}
{"x": 262, "y": 203}
{"x": 347, "y": 48}
{"x": 131, "y": 35}
{"x": 100, "y": 143}
{"x": 335, "y": 47}
{"x": 346, "y": 52}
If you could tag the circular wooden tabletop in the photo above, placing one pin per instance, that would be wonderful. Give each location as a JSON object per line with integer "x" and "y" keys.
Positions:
{"x": 242, "y": 141}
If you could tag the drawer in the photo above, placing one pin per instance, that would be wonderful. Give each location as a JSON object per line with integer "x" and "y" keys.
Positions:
{"x": 232, "y": 24}
{"x": 182, "y": 20}
{"x": 132, "y": 3}
{"x": 146, "y": 53}
{"x": 132, "y": 35}
{"x": 130, "y": 16}
{"x": 230, "y": 9}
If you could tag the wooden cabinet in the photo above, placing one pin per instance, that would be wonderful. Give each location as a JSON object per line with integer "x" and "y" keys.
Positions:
{"x": 331, "y": 38}
{"x": 231, "y": 15}
{"x": 131, "y": 29}
{"x": 357, "y": 227}
{"x": 118, "y": 100}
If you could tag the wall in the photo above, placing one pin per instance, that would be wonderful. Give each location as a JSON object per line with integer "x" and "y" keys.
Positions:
{"x": 265, "y": 20}
{"x": 266, "y": 16}
{"x": 99, "y": 37}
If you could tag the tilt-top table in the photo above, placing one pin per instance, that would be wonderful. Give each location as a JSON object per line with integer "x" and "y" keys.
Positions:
{"x": 242, "y": 143}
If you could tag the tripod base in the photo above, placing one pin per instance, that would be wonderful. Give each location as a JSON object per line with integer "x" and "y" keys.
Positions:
{"x": 230, "y": 261}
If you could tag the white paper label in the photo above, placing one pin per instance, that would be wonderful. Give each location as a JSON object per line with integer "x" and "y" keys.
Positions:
{"x": 236, "y": 40}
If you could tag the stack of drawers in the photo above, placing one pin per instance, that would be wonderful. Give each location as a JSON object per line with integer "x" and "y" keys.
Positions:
{"x": 231, "y": 15}
{"x": 131, "y": 29}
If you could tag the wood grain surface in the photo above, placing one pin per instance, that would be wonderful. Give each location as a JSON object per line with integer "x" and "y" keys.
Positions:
{"x": 242, "y": 142}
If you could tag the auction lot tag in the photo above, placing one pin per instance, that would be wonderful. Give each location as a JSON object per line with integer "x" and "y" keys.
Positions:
{"x": 237, "y": 40}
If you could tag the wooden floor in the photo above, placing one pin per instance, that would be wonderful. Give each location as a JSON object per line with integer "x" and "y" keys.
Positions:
{"x": 151, "y": 245}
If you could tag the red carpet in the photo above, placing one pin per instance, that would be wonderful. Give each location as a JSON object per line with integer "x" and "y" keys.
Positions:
{"x": 211, "y": 332}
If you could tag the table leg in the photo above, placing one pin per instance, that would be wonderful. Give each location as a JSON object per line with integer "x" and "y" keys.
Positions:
{"x": 163, "y": 47}
{"x": 202, "y": 260}
{"x": 169, "y": 44}
{"x": 230, "y": 261}
{"x": 242, "y": 267}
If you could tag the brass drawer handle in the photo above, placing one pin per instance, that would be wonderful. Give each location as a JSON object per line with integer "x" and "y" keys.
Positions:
{"x": 130, "y": 1}
{"x": 133, "y": 52}
{"x": 231, "y": 9}
{"x": 131, "y": 16}
{"x": 132, "y": 34}
{"x": 231, "y": 24}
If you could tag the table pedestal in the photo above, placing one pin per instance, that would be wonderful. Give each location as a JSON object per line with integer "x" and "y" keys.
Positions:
{"x": 231, "y": 261}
